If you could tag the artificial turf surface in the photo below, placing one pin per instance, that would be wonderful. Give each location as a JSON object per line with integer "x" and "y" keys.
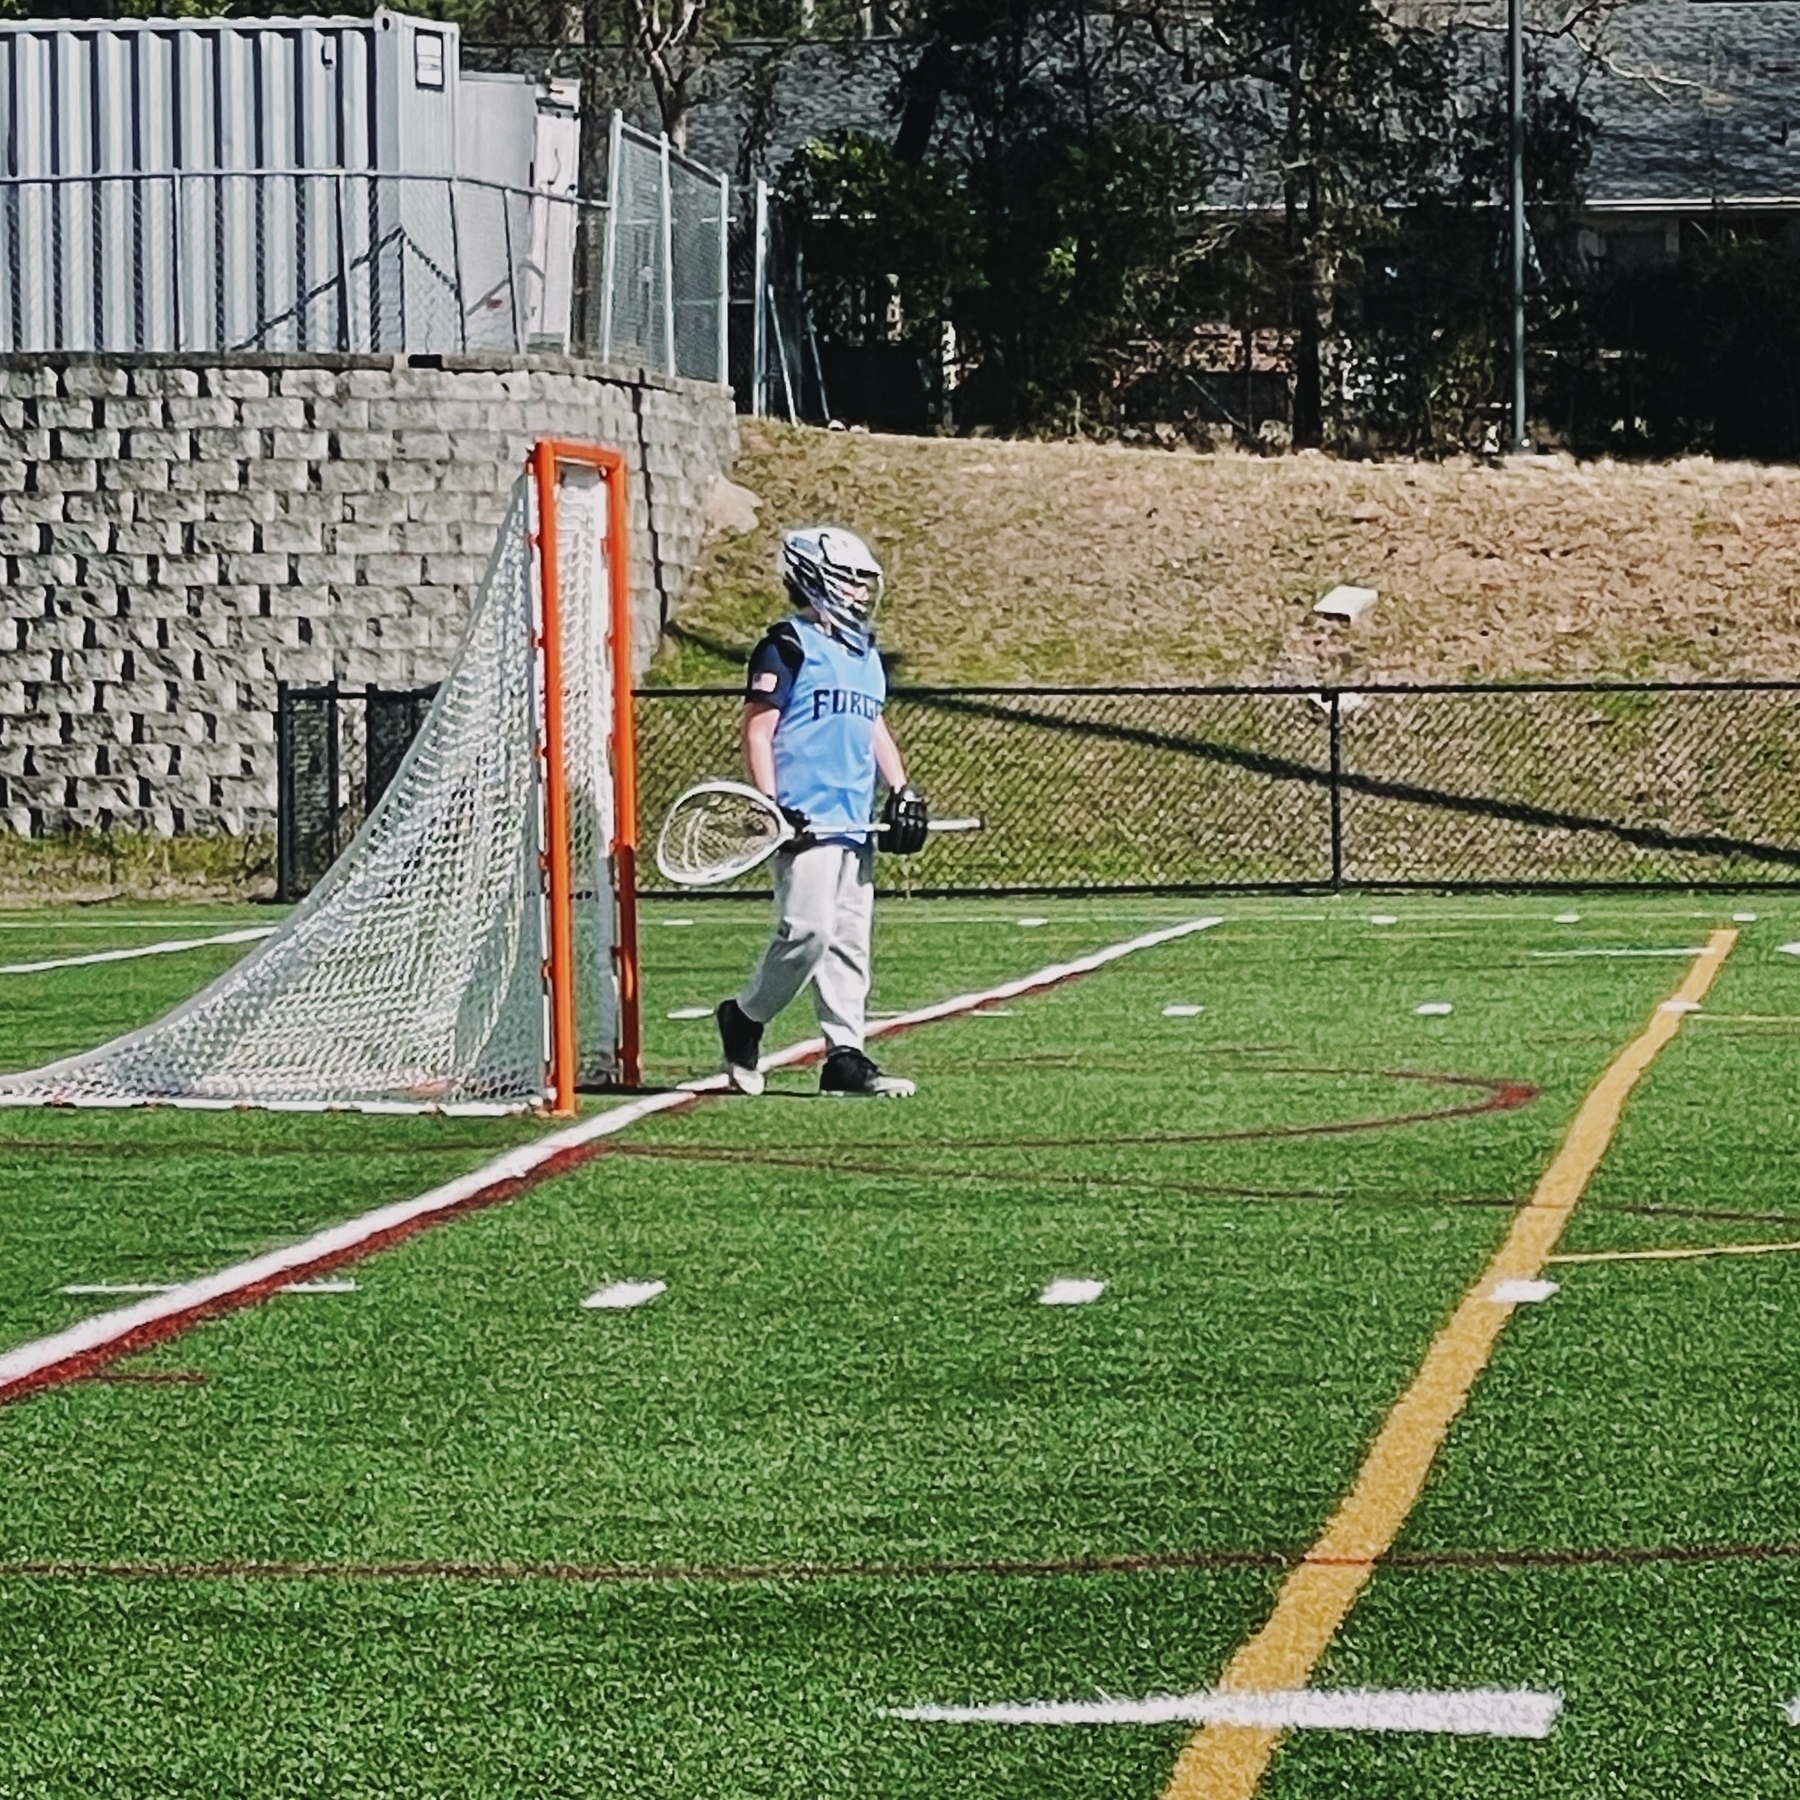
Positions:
{"x": 871, "y": 1470}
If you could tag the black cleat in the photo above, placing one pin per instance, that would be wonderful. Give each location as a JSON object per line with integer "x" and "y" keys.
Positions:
{"x": 851, "y": 1072}
{"x": 740, "y": 1037}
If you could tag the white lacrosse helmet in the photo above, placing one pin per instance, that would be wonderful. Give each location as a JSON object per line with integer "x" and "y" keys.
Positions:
{"x": 835, "y": 573}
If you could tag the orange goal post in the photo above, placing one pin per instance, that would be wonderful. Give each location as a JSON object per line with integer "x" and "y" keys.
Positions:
{"x": 550, "y": 457}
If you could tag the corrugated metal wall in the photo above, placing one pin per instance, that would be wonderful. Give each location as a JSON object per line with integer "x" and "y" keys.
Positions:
{"x": 211, "y": 185}
{"x": 81, "y": 96}
{"x": 181, "y": 184}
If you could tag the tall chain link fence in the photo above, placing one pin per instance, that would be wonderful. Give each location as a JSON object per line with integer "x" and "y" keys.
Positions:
{"x": 1089, "y": 789}
{"x": 666, "y": 259}
{"x": 285, "y": 260}
{"x": 1457, "y": 787}
{"x": 351, "y": 261}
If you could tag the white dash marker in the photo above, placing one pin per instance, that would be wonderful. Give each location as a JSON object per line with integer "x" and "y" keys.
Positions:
{"x": 1433, "y": 1009}
{"x": 1032, "y": 923}
{"x": 1179, "y": 1009}
{"x": 992, "y": 1012}
{"x": 1473, "y": 1712}
{"x": 1383, "y": 919}
{"x": 1789, "y": 949}
{"x": 1568, "y": 918}
{"x": 1679, "y": 1006}
{"x": 1068, "y": 1291}
{"x": 675, "y": 924}
{"x": 1520, "y": 1293}
{"x": 1743, "y": 918}
{"x": 692, "y": 1012}
{"x": 623, "y": 1295}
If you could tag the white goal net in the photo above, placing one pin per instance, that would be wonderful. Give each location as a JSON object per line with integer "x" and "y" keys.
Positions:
{"x": 416, "y": 976}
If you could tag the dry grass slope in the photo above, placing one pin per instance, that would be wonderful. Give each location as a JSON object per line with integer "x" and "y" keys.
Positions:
{"x": 85, "y": 869}
{"x": 1073, "y": 562}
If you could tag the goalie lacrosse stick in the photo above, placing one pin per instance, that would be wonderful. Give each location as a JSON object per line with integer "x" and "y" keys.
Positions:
{"x": 718, "y": 830}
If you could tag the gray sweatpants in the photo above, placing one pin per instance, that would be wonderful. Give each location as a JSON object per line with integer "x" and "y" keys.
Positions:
{"x": 824, "y": 908}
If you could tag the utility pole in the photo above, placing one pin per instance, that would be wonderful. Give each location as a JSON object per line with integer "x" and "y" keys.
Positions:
{"x": 1515, "y": 85}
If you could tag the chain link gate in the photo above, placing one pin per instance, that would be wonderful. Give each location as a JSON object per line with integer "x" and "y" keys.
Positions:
{"x": 332, "y": 763}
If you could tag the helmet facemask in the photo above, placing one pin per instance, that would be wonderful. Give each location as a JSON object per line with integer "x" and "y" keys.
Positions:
{"x": 835, "y": 574}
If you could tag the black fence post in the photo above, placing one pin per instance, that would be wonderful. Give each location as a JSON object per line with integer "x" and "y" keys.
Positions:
{"x": 1335, "y": 715}
{"x": 284, "y": 797}
{"x": 335, "y": 801}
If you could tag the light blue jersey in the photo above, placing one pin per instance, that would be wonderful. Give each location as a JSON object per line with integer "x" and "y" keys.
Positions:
{"x": 825, "y": 740}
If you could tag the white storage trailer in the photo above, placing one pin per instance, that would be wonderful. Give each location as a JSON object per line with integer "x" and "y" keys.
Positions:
{"x": 292, "y": 184}
{"x": 89, "y": 97}
{"x": 523, "y": 135}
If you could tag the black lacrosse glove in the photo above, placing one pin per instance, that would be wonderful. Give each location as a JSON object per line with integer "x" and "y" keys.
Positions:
{"x": 906, "y": 816}
{"x": 802, "y": 825}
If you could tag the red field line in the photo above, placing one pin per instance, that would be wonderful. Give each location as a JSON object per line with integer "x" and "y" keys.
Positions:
{"x": 728, "y": 1574}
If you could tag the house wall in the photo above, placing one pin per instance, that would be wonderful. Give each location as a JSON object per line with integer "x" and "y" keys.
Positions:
{"x": 180, "y": 535}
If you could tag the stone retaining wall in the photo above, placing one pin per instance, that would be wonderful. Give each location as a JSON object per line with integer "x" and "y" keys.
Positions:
{"x": 179, "y": 536}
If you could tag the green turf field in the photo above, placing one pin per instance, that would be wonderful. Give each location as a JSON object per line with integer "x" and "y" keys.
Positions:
{"x": 452, "y": 1533}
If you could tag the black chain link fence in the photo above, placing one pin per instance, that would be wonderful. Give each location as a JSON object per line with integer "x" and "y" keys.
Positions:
{"x": 1085, "y": 789}
{"x": 1447, "y": 787}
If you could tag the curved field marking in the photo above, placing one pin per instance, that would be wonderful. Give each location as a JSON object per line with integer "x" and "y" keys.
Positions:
{"x": 1502, "y": 1096}
{"x": 1226, "y": 1761}
{"x": 81, "y": 1349}
{"x": 249, "y": 935}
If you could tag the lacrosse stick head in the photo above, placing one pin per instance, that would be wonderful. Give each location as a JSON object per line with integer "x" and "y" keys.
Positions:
{"x": 717, "y": 831}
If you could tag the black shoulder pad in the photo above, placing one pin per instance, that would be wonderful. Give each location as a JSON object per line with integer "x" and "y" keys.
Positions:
{"x": 786, "y": 641}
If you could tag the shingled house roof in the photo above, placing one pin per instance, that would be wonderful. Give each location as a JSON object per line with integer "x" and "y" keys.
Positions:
{"x": 1697, "y": 103}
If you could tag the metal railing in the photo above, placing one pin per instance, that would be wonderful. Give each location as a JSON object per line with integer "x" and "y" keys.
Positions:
{"x": 353, "y": 261}
{"x": 1209, "y": 788}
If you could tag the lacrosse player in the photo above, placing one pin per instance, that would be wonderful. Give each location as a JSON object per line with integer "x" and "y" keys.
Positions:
{"x": 814, "y": 740}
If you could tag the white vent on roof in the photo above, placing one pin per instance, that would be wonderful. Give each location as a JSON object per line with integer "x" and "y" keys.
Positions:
{"x": 1346, "y": 603}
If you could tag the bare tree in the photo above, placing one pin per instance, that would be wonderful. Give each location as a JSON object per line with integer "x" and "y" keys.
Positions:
{"x": 672, "y": 42}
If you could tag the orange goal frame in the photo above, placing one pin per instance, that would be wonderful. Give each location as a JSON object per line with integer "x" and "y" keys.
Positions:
{"x": 559, "y": 970}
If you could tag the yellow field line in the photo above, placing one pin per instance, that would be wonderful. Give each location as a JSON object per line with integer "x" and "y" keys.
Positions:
{"x": 1226, "y": 1762}
{"x": 1596, "y": 1256}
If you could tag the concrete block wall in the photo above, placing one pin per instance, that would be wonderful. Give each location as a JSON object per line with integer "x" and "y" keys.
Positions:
{"x": 179, "y": 536}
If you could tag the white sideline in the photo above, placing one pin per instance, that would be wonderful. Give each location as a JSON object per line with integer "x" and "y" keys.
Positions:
{"x": 34, "y": 1358}
{"x": 249, "y": 935}
{"x": 168, "y": 1287}
{"x": 1472, "y": 1712}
